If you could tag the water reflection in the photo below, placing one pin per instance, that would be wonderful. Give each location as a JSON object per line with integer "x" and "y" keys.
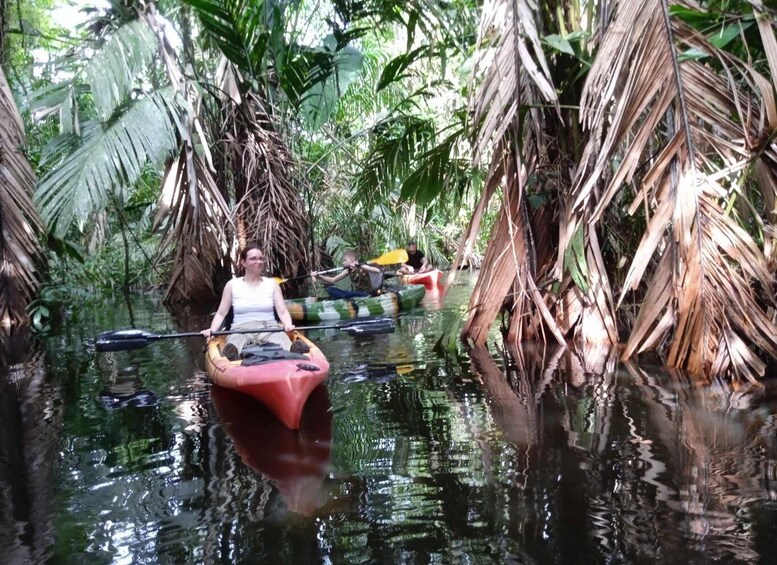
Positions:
{"x": 127, "y": 390}
{"x": 714, "y": 476}
{"x": 537, "y": 454}
{"x": 295, "y": 461}
{"x": 30, "y": 427}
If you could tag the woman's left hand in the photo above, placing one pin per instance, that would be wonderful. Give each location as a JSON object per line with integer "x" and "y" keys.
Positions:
{"x": 288, "y": 327}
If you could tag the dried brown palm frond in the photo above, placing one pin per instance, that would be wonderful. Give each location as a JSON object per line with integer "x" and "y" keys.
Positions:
{"x": 20, "y": 253}
{"x": 192, "y": 210}
{"x": 270, "y": 209}
{"x": 196, "y": 220}
{"x": 515, "y": 76}
{"x": 516, "y": 72}
{"x": 707, "y": 277}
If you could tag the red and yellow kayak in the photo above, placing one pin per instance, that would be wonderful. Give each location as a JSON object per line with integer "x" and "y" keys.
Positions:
{"x": 283, "y": 385}
{"x": 430, "y": 279}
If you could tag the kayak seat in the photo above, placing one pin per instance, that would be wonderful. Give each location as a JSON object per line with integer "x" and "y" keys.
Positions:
{"x": 299, "y": 346}
{"x": 258, "y": 354}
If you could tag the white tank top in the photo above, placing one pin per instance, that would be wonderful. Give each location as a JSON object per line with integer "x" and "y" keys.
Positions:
{"x": 253, "y": 303}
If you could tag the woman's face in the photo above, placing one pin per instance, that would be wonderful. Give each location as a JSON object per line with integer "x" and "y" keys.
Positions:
{"x": 254, "y": 261}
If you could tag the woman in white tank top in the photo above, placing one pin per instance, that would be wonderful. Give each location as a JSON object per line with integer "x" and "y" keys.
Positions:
{"x": 255, "y": 299}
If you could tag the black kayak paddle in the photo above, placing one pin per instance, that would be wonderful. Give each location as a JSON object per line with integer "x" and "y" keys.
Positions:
{"x": 125, "y": 340}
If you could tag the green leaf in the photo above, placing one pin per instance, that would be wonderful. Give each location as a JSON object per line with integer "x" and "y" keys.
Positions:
{"x": 64, "y": 247}
{"x": 576, "y": 36}
{"x": 691, "y": 16}
{"x": 241, "y": 28}
{"x": 558, "y": 43}
{"x": 394, "y": 69}
{"x": 47, "y": 100}
{"x": 58, "y": 148}
{"x": 575, "y": 262}
{"x": 396, "y": 143}
{"x": 431, "y": 173}
{"x": 692, "y": 55}
{"x": 329, "y": 79}
{"x": 727, "y": 34}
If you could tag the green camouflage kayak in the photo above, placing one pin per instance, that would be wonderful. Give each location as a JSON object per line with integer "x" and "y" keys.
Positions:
{"x": 313, "y": 309}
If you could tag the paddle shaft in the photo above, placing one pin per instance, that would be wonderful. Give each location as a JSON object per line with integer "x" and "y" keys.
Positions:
{"x": 310, "y": 275}
{"x": 122, "y": 340}
{"x": 390, "y": 258}
{"x": 261, "y": 330}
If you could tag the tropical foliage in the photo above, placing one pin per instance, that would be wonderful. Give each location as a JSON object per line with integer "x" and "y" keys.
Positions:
{"x": 624, "y": 152}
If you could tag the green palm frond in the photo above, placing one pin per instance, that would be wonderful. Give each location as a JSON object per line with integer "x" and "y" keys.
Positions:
{"x": 19, "y": 222}
{"x": 395, "y": 144}
{"x": 434, "y": 171}
{"x": 240, "y": 28}
{"x": 112, "y": 72}
{"x": 328, "y": 79}
{"x": 429, "y": 17}
{"x": 111, "y": 157}
{"x": 362, "y": 101}
{"x": 47, "y": 100}
{"x": 397, "y": 68}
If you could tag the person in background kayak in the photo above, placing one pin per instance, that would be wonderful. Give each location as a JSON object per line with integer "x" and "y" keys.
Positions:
{"x": 366, "y": 279}
{"x": 416, "y": 261}
{"x": 255, "y": 300}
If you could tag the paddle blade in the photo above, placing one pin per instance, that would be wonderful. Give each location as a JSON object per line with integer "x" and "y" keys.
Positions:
{"x": 123, "y": 340}
{"x": 391, "y": 258}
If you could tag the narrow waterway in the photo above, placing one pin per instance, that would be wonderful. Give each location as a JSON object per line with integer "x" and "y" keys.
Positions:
{"x": 405, "y": 456}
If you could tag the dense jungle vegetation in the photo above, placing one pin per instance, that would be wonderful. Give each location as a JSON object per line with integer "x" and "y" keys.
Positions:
{"x": 615, "y": 161}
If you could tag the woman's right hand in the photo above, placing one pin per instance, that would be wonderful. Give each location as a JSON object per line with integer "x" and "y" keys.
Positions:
{"x": 207, "y": 333}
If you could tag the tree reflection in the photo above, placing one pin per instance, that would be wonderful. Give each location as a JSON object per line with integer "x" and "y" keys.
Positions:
{"x": 645, "y": 453}
{"x": 29, "y": 440}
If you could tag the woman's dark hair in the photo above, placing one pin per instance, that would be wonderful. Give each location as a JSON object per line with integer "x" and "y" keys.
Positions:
{"x": 249, "y": 247}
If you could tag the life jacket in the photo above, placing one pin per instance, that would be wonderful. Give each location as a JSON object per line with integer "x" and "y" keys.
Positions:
{"x": 366, "y": 281}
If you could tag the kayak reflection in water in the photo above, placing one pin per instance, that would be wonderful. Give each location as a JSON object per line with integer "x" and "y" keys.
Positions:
{"x": 296, "y": 462}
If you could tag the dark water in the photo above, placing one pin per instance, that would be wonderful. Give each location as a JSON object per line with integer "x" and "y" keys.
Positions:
{"x": 406, "y": 456}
